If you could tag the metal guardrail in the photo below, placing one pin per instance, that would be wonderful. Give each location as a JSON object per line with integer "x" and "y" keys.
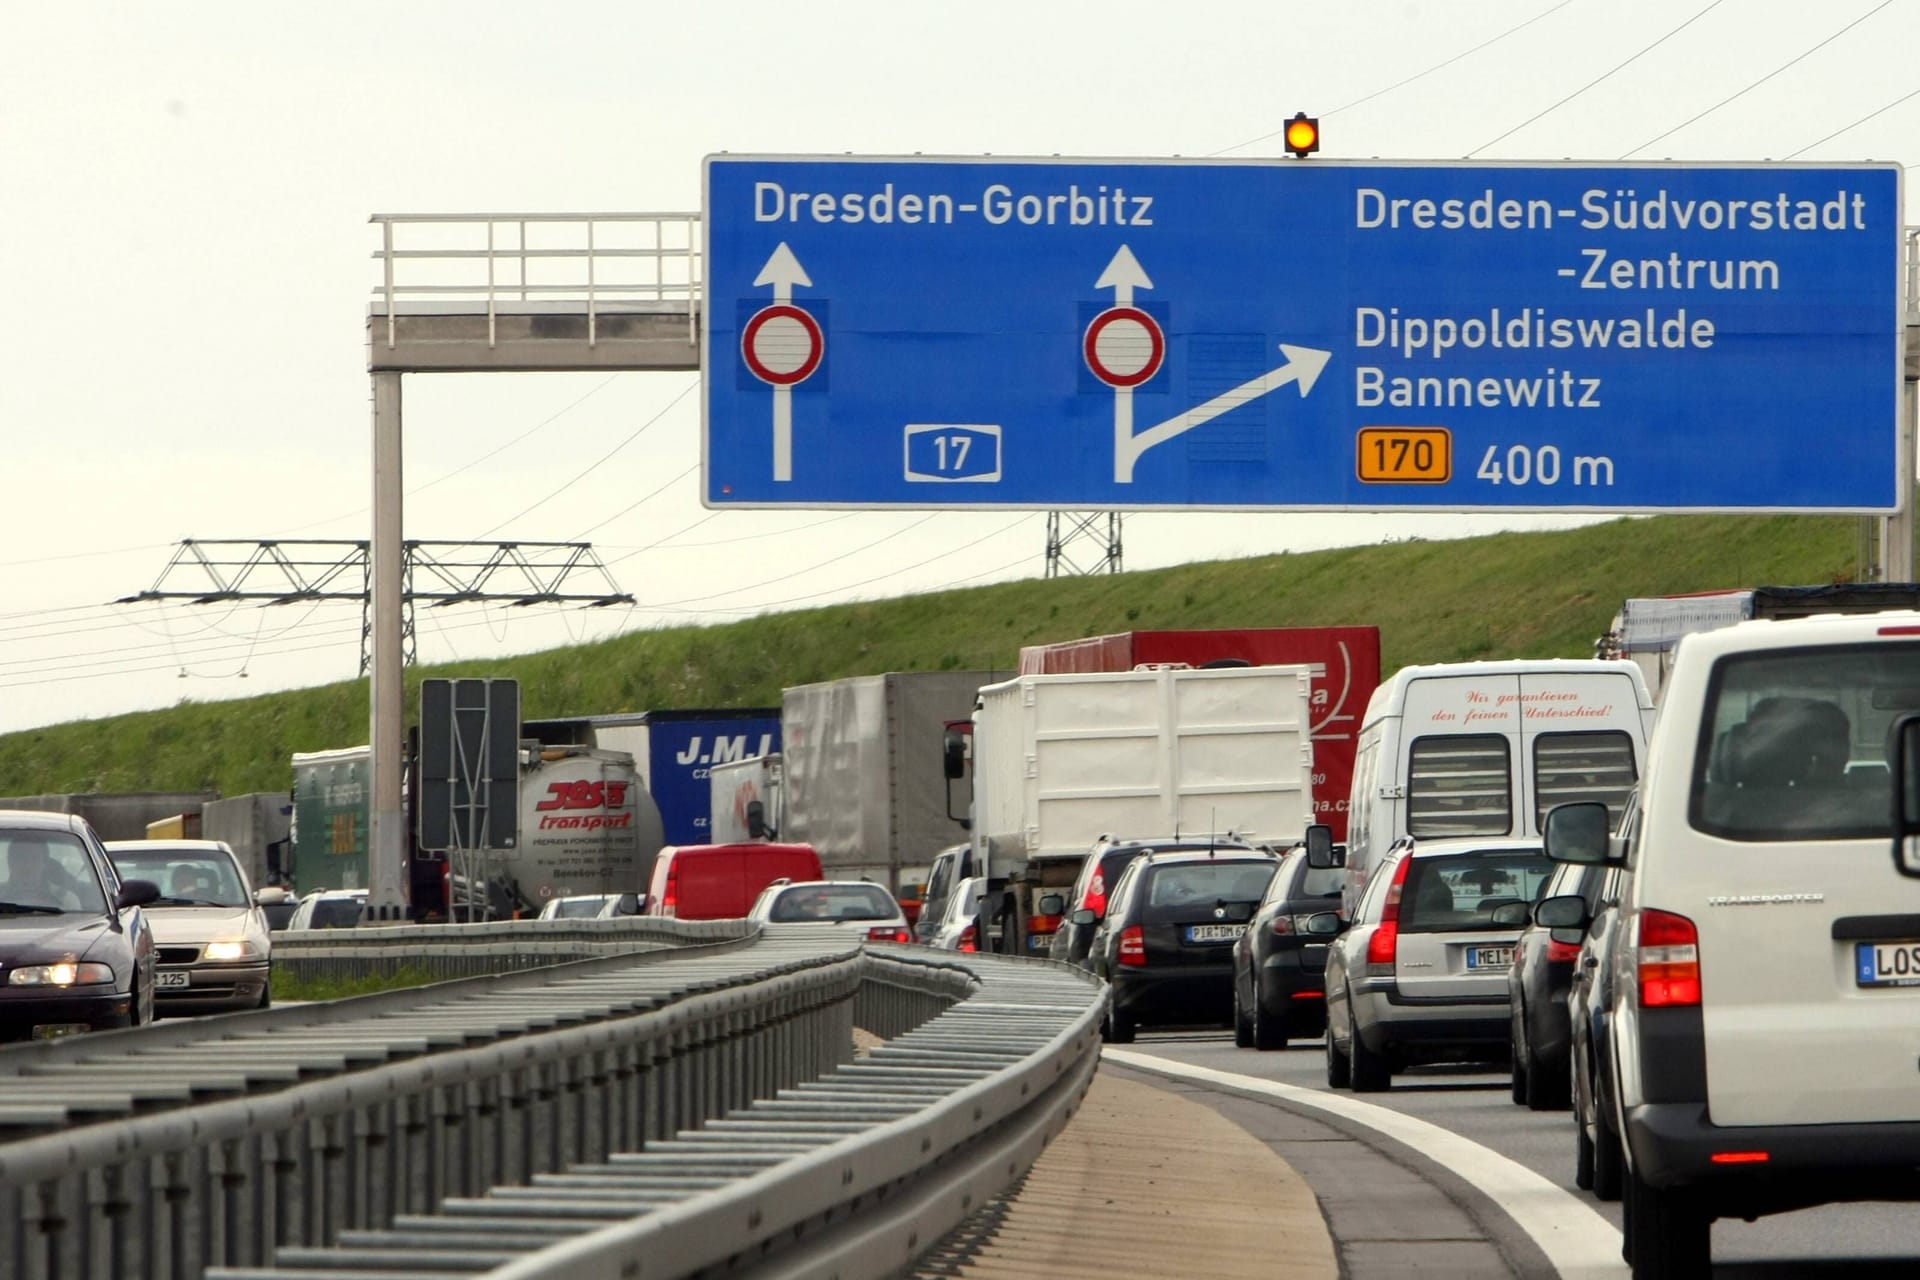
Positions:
{"x": 285, "y": 1126}
{"x": 596, "y": 262}
{"x": 854, "y": 1174}
{"x": 502, "y": 946}
{"x": 710, "y": 1094}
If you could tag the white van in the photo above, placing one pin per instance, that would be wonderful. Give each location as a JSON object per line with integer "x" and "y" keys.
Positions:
{"x": 1486, "y": 748}
{"x": 1764, "y": 1011}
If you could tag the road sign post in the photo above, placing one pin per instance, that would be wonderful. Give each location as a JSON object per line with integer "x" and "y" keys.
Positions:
{"x": 469, "y": 785}
{"x": 1115, "y": 334}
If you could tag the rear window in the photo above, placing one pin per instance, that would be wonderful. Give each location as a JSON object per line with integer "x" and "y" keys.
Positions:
{"x": 336, "y": 913}
{"x": 1570, "y": 767}
{"x": 1459, "y": 785}
{"x": 1461, "y": 893}
{"x": 833, "y": 902}
{"x": 1793, "y": 743}
{"x": 578, "y": 908}
{"x": 1175, "y": 890}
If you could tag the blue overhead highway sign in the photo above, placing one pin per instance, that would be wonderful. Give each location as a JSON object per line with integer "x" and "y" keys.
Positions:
{"x": 906, "y": 332}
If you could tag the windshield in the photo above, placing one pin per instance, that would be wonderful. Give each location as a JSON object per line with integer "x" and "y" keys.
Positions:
{"x": 833, "y": 902}
{"x": 187, "y": 877}
{"x": 47, "y": 872}
{"x": 578, "y": 908}
{"x": 1793, "y": 743}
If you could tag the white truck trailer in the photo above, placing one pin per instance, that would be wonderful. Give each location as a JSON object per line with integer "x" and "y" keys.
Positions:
{"x": 1061, "y": 760}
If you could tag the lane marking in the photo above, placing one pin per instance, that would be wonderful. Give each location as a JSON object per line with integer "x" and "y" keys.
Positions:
{"x": 1578, "y": 1241}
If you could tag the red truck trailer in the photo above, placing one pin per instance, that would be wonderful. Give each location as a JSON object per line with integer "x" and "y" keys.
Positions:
{"x": 1346, "y": 669}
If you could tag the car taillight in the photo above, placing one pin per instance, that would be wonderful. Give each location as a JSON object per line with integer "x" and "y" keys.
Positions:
{"x": 1669, "y": 960}
{"x": 1043, "y": 924}
{"x": 969, "y": 938}
{"x": 1133, "y": 945}
{"x": 1562, "y": 952}
{"x": 670, "y": 900}
{"x": 888, "y": 933}
{"x": 1283, "y": 926}
{"x": 1384, "y": 945}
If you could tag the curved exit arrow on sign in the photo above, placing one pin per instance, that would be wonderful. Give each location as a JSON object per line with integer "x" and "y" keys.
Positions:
{"x": 1303, "y": 365}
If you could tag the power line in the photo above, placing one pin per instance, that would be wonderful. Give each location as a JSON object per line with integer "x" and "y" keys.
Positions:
{"x": 1855, "y": 125}
{"x": 787, "y": 577}
{"x": 1714, "y": 4}
{"x": 1762, "y": 80}
{"x": 602, "y": 461}
{"x": 1398, "y": 84}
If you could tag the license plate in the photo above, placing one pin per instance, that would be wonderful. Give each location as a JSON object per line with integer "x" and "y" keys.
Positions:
{"x": 1489, "y": 957}
{"x": 1039, "y": 941}
{"x": 1214, "y": 932}
{"x": 177, "y": 979}
{"x": 1887, "y": 964}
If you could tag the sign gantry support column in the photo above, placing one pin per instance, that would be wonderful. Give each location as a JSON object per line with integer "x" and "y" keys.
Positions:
{"x": 386, "y": 828}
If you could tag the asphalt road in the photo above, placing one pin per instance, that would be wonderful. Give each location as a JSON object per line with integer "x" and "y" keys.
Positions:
{"x": 1854, "y": 1242}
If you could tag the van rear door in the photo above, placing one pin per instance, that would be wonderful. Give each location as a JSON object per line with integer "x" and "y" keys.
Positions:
{"x": 1583, "y": 737}
{"x": 1807, "y": 938}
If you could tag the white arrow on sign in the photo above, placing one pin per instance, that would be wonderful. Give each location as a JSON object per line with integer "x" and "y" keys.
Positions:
{"x": 1303, "y": 366}
{"x": 783, "y": 271}
{"x": 1123, "y": 275}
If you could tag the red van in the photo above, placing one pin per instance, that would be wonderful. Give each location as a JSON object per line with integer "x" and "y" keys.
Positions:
{"x": 721, "y": 881}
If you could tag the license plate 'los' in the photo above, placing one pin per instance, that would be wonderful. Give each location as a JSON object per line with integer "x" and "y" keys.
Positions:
{"x": 1887, "y": 964}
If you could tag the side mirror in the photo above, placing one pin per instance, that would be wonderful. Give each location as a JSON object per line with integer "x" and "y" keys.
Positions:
{"x": 136, "y": 893}
{"x": 1580, "y": 833}
{"x": 757, "y": 819}
{"x": 1905, "y": 767}
{"x": 1083, "y": 916}
{"x": 1323, "y": 924}
{"x": 954, "y": 754}
{"x": 1569, "y": 911}
{"x": 271, "y": 896}
{"x": 1514, "y": 914}
{"x": 1052, "y": 904}
{"x": 1322, "y": 854}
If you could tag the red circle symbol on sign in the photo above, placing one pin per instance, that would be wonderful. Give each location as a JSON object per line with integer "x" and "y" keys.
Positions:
{"x": 1124, "y": 346}
{"x": 782, "y": 344}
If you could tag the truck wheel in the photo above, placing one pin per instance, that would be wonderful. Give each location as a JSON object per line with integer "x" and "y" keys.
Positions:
{"x": 1668, "y": 1232}
{"x": 1242, "y": 1024}
{"x": 1372, "y": 1073}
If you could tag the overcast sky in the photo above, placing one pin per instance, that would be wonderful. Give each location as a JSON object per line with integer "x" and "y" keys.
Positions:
{"x": 187, "y": 259}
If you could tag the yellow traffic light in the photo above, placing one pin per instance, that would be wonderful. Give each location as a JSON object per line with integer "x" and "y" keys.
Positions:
{"x": 1303, "y": 135}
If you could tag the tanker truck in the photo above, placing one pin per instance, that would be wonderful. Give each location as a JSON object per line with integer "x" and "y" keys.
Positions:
{"x": 587, "y": 825}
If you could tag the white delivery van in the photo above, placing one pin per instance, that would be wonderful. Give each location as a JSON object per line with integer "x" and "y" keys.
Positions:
{"x": 1486, "y": 748}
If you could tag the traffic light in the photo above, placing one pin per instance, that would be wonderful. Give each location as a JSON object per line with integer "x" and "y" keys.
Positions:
{"x": 1303, "y": 135}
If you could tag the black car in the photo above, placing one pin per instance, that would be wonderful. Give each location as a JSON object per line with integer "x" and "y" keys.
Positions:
{"x": 76, "y": 952}
{"x": 1279, "y": 965}
{"x": 1537, "y": 988}
{"x": 1599, "y": 1161}
{"x": 1166, "y": 945}
{"x": 1100, "y": 873}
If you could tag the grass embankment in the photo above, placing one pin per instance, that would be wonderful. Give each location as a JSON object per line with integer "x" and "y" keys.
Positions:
{"x": 1515, "y": 594}
{"x": 288, "y": 987}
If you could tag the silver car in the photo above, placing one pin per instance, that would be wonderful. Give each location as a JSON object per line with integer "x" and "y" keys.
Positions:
{"x": 958, "y": 928}
{"x": 1422, "y": 974}
{"x": 210, "y": 936}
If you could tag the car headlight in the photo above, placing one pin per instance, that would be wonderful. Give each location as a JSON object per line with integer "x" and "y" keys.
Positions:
{"x": 65, "y": 974}
{"x": 232, "y": 949}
